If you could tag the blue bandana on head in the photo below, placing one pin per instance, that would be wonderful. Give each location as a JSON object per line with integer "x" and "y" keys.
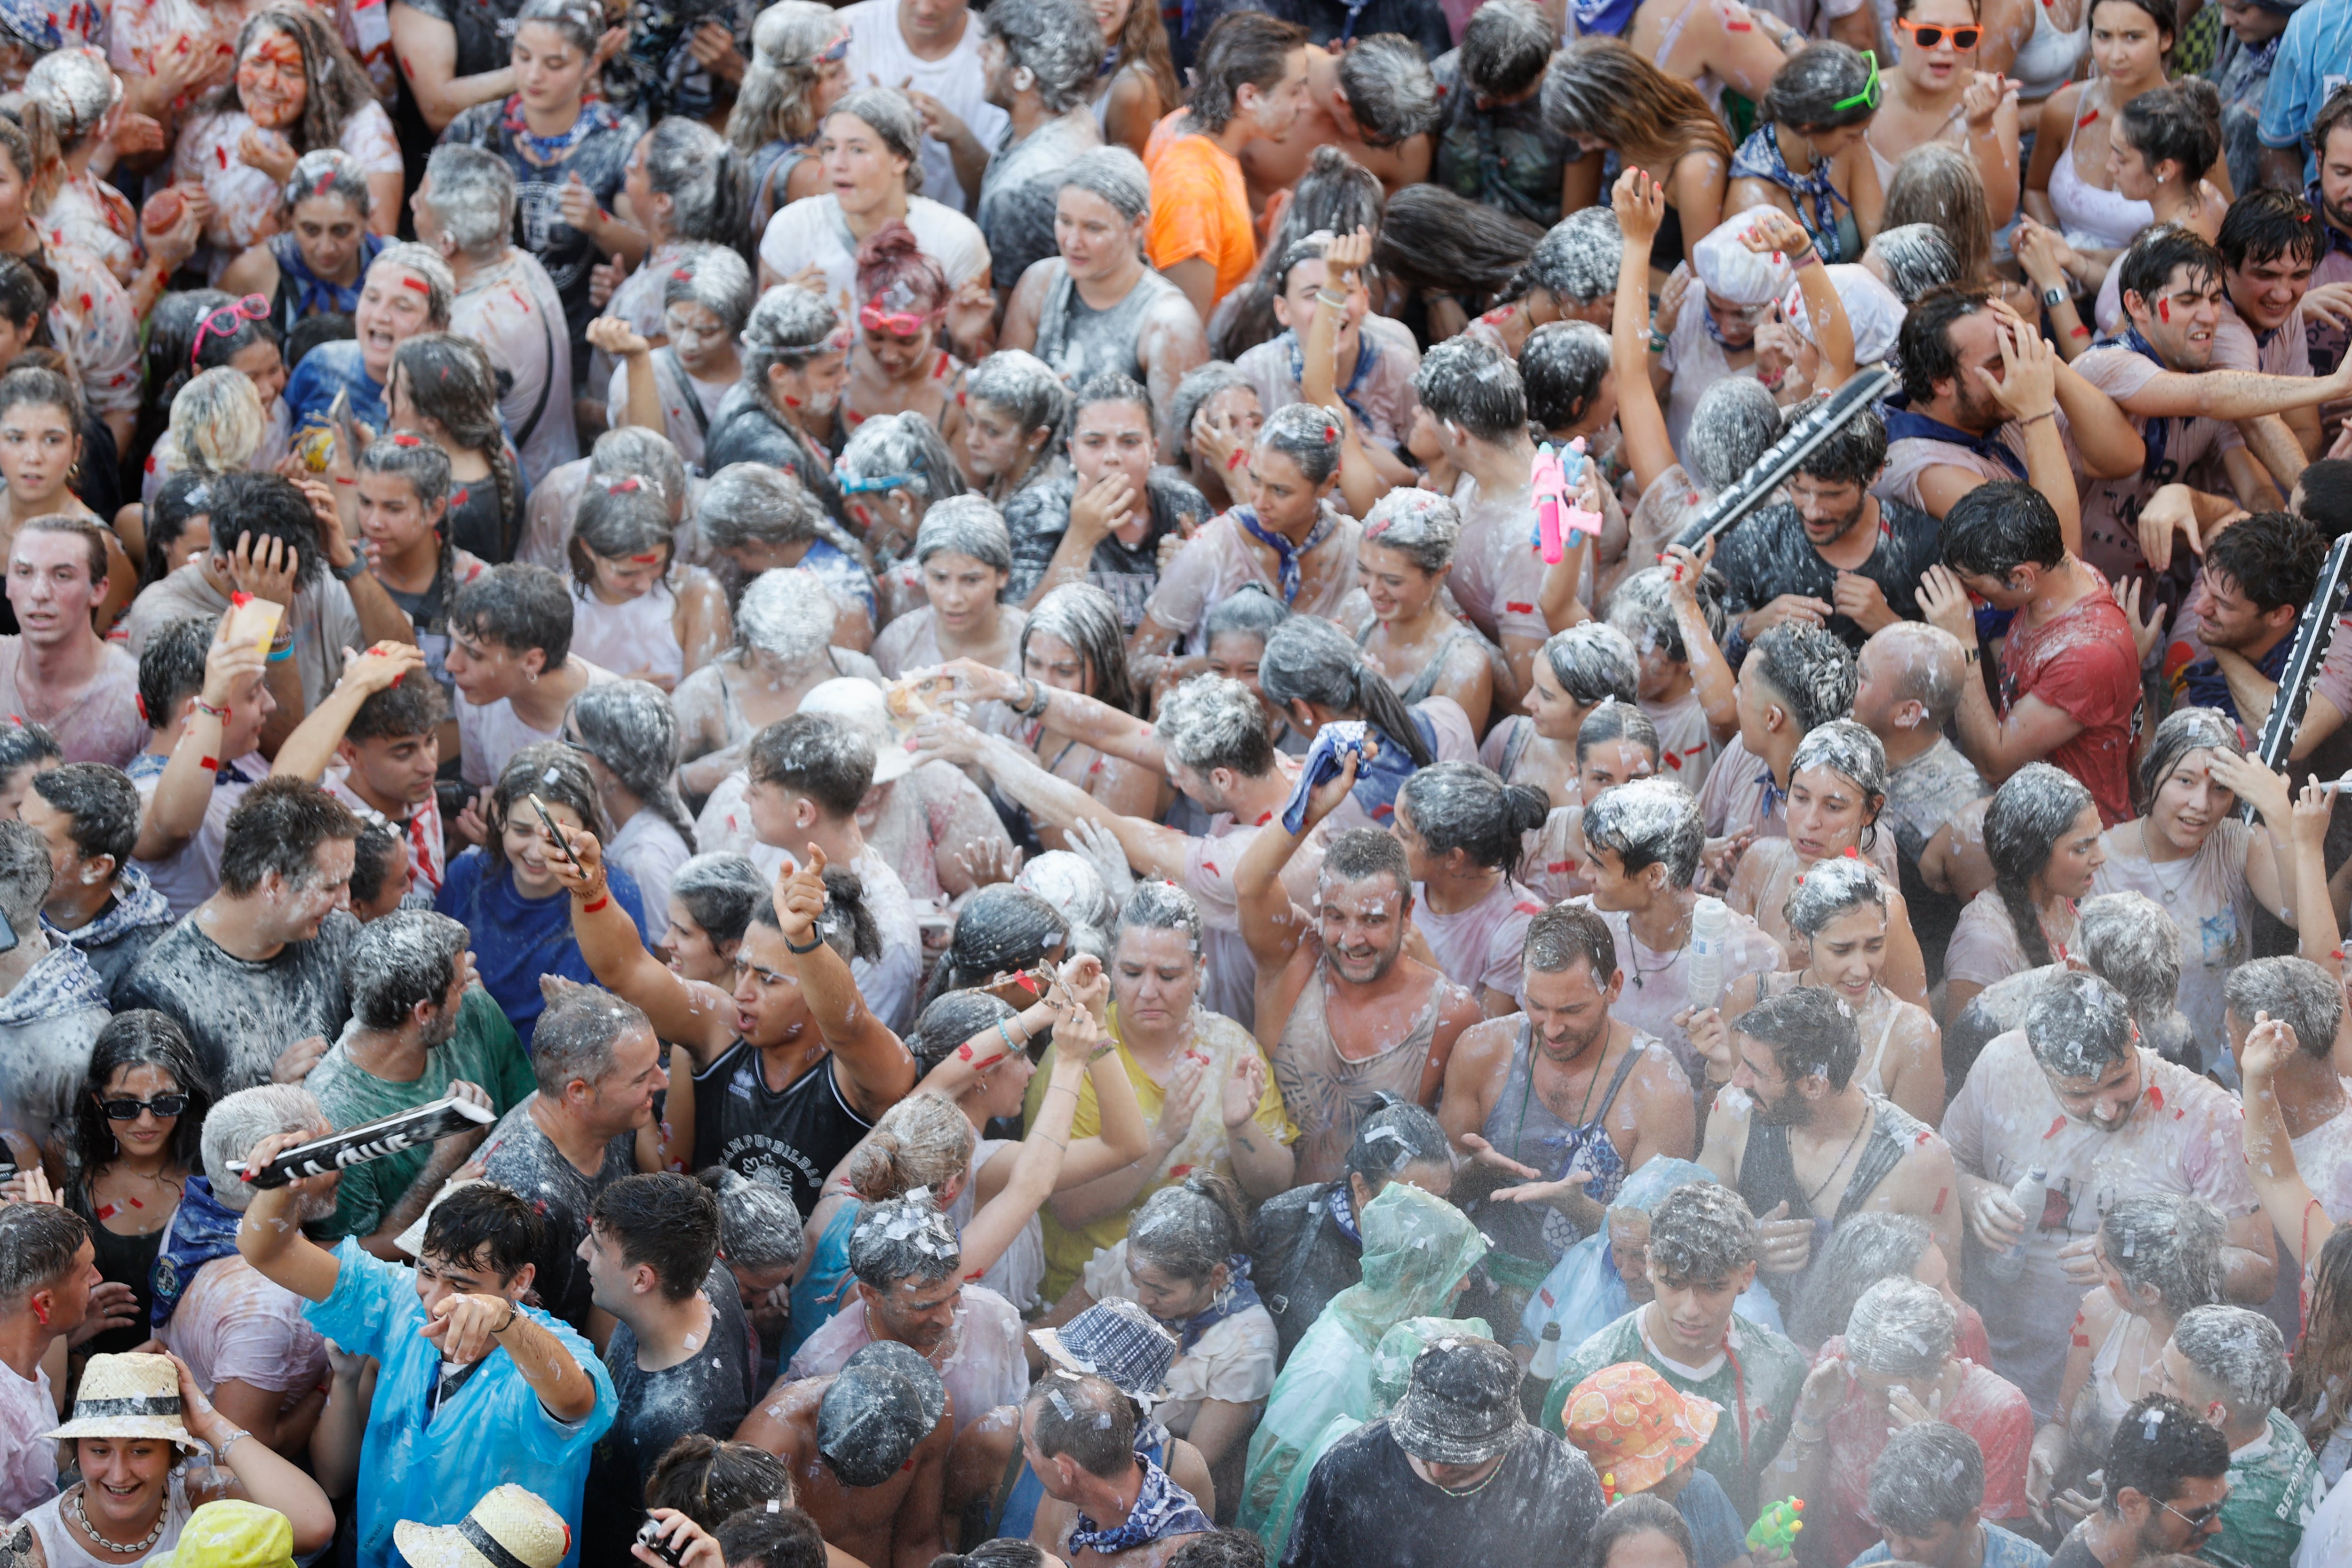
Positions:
{"x": 1162, "y": 1509}
{"x": 201, "y": 1230}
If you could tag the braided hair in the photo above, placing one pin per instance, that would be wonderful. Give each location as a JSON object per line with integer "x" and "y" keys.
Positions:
{"x": 450, "y": 380}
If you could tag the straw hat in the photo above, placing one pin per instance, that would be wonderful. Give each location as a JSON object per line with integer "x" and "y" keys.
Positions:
{"x": 510, "y": 1528}
{"x": 129, "y": 1396}
{"x": 231, "y": 1535}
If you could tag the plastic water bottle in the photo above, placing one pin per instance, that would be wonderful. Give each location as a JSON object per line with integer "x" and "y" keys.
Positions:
{"x": 1710, "y": 929}
{"x": 1545, "y": 1366}
{"x": 2032, "y": 1188}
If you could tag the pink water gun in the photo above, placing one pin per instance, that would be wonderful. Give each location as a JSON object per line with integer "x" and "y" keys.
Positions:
{"x": 1553, "y": 476}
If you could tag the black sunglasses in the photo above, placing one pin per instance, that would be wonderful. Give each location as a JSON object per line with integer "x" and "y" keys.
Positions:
{"x": 163, "y": 1105}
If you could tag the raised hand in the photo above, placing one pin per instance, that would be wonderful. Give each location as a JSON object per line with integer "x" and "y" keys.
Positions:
{"x": 1243, "y": 1087}
{"x": 1640, "y": 203}
{"x": 264, "y": 569}
{"x": 799, "y": 898}
{"x": 1771, "y": 232}
{"x": 616, "y": 337}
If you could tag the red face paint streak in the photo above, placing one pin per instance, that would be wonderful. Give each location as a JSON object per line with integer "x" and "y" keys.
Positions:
{"x": 419, "y": 285}
{"x": 963, "y": 1051}
{"x": 2055, "y": 1127}
{"x": 2164, "y": 311}
{"x": 644, "y": 560}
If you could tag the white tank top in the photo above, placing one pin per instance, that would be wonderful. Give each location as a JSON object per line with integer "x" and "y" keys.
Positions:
{"x": 67, "y": 1547}
{"x": 638, "y": 635}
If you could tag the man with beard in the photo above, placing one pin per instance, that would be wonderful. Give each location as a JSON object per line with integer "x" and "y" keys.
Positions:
{"x": 2075, "y": 1096}
{"x": 1808, "y": 1144}
{"x": 2168, "y": 1475}
{"x": 1566, "y": 1098}
{"x": 1833, "y": 551}
{"x": 2258, "y": 576}
{"x": 1337, "y": 972}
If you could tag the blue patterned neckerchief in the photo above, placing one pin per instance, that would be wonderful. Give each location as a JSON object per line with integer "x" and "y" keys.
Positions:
{"x": 1287, "y": 555}
{"x": 1606, "y": 17}
{"x": 1343, "y": 1213}
{"x": 314, "y": 294}
{"x": 1368, "y": 354}
{"x": 1772, "y": 164}
{"x": 1162, "y": 1509}
{"x": 2155, "y": 434}
{"x": 1903, "y": 424}
{"x": 202, "y": 1229}
{"x": 1773, "y": 794}
{"x": 594, "y": 115}
{"x": 1237, "y": 1297}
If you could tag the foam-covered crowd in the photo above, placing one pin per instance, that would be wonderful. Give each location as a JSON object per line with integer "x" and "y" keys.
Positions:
{"x": 1268, "y": 783}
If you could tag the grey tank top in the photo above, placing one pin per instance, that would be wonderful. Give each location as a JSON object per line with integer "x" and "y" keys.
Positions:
{"x": 1081, "y": 343}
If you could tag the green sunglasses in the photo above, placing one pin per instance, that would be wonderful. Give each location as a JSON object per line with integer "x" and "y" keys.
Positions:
{"x": 1871, "y": 91}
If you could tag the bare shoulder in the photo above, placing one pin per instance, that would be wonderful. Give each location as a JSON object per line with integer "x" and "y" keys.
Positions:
{"x": 1657, "y": 1072}
{"x": 1485, "y": 1047}
{"x": 255, "y": 272}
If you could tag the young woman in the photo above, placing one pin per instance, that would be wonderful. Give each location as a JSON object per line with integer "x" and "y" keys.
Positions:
{"x": 899, "y": 364}
{"x": 406, "y": 290}
{"x": 1402, "y": 560}
{"x": 795, "y": 356}
{"x": 1839, "y": 917}
{"x": 629, "y": 735}
{"x": 2158, "y": 1256}
{"x": 230, "y": 338}
{"x": 297, "y": 92}
{"x": 135, "y": 1144}
{"x": 1014, "y": 408}
{"x": 2189, "y": 851}
{"x": 685, "y": 189}
{"x": 1214, "y": 413}
{"x": 782, "y": 653}
{"x": 634, "y": 610}
{"x": 40, "y": 449}
{"x": 91, "y": 319}
{"x": 1073, "y": 641}
{"x": 1935, "y": 93}
{"x": 2044, "y": 836}
{"x": 1666, "y": 681}
{"x": 504, "y": 889}
{"x": 568, "y": 152}
{"x": 218, "y": 426}
{"x": 325, "y": 241}
{"x": 2071, "y": 186}
{"x": 1315, "y": 673}
{"x": 2167, "y": 137}
{"x": 893, "y": 469}
{"x": 1112, "y": 518}
{"x": 178, "y": 528}
{"x": 677, "y": 388}
{"x": 1606, "y": 97}
{"x": 2319, "y": 1391}
{"x": 70, "y": 110}
{"x": 1580, "y": 669}
{"x": 1139, "y": 77}
{"x": 1939, "y": 182}
{"x": 1837, "y": 785}
{"x": 1808, "y": 156}
{"x": 1462, "y": 829}
{"x": 797, "y": 73}
{"x": 710, "y": 901}
{"x": 1615, "y": 745}
{"x": 966, "y": 557}
{"x": 757, "y": 518}
{"x": 443, "y": 388}
{"x": 404, "y": 523}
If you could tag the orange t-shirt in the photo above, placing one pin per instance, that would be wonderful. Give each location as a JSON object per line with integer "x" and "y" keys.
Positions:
{"x": 1200, "y": 206}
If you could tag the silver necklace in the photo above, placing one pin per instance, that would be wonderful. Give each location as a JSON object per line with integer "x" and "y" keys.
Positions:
{"x": 2171, "y": 894}
{"x": 73, "y": 1502}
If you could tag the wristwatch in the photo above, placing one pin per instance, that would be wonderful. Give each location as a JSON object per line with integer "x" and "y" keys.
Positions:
{"x": 2055, "y": 296}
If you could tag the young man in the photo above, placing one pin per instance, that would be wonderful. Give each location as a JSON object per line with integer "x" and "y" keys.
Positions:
{"x": 1474, "y": 403}
{"x": 1702, "y": 1255}
{"x": 1814, "y": 1145}
{"x": 475, "y": 1388}
{"x": 2304, "y": 999}
{"x": 511, "y": 661}
{"x": 867, "y": 1449}
{"x": 48, "y": 1290}
{"x": 1249, "y": 83}
{"x": 2327, "y": 186}
{"x": 2229, "y": 1365}
{"x": 2074, "y": 1095}
{"x": 2259, "y": 573}
{"x": 1906, "y": 691}
{"x": 1927, "y": 1492}
{"x": 2069, "y": 667}
{"x": 1103, "y": 1502}
{"x": 57, "y": 672}
{"x": 912, "y": 1291}
{"x": 420, "y": 1029}
{"x": 1833, "y": 553}
{"x": 386, "y": 762}
{"x": 207, "y": 700}
{"x": 1490, "y": 145}
{"x": 1039, "y": 62}
{"x": 680, "y": 1357}
{"x": 933, "y": 47}
{"x": 1568, "y": 1090}
{"x": 1454, "y": 1473}
{"x": 1643, "y": 841}
{"x": 404, "y": 485}
{"x": 597, "y": 1074}
{"x": 1795, "y": 680}
{"x": 255, "y": 977}
{"x": 2168, "y": 1475}
{"x": 2269, "y": 244}
{"x": 1373, "y": 99}
{"x": 52, "y": 1005}
{"x": 99, "y": 902}
{"x": 382, "y": 875}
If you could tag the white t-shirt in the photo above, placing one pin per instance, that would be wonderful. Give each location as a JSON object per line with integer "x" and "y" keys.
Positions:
{"x": 813, "y": 232}
{"x": 878, "y": 51}
{"x": 236, "y": 1324}
{"x": 490, "y": 733}
{"x": 651, "y": 851}
{"x": 28, "y": 1467}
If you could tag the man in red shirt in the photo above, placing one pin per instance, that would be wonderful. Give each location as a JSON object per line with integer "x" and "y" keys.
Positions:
{"x": 2069, "y": 667}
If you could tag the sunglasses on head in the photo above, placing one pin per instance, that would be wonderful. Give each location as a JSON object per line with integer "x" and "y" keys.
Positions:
{"x": 163, "y": 1105}
{"x": 1871, "y": 91}
{"x": 833, "y": 51}
{"x": 1928, "y": 35}
{"x": 897, "y": 323}
{"x": 224, "y": 321}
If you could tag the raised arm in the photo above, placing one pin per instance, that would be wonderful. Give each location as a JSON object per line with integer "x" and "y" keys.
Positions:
{"x": 306, "y": 752}
{"x": 250, "y": 1470}
{"x": 1773, "y": 231}
{"x": 1151, "y": 849}
{"x": 2104, "y": 437}
{"x": 1641, "y": 209}
{"x": 185, "y": 791}
{"x": 1271, "y": 925}
{"x": 2288, "y": 1201}
{"x": 876, "y": 1063}
{"x": 1711, "y": 676}
{"x": 270, "y": 1236}
{"x": 1090, "y": 721}
{"x": 688, "y": 1013}
{"x": 1043, "y": 1154}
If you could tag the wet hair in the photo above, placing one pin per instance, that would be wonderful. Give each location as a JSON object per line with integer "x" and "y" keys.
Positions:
{"x": 1212, "y": 722}
{"x": 923, "y": 1142}
{"x": 1390, "y": 90}
{"x": 2294, "y": 991}
{"x": 1854, "y": 754}
{"x": 1024, "y": 386}
{"x": 473, "y": 197}
{"x": 904, "y": 1238}
{"x": 1244, "y": 48}
{"x": 279, "y": 826}
{"x": 1200, "y": 385}
{"x": 1852, "y": 456}
{"x": 784, "y": 1538}
{"x": 1467, "y": 382}
{"x": 67, "y": 93}
{"x": 1437, "y": 242}
{"x": 1939, "y": 182}
{"x": 2239, "y": 1351}
{"x": 2078, "y": 1026}
{"x": 1929, "y": 1474}
{"x": 216, "y": 419}
{"x": 890, "y": 445}
{"x": 1865, "y": 1248}
{"x": 774, "y": 101}
{"x": 666, "y": 1221}
{"x": 1421, "y": 525}
{"x": 1594, "y": 663}
{"x": 1560, "y": 936}
{"x": 1334, "y": 196}
{"x": 1187, "y": 1229}
{"x": 139, "y": 1038}
{"x": 1598, "y": 86}
{"x": 238, "y": 1122}
{"x": 1083, "y": 1417}
{"x": 30, "y": 385}
{"x": 966, "y": 525}
{"x": 451, "y": 381}
{"x": 1809, "y": 670}
{"x": 1901, "y": 1328}
{"x": 2266, "y": 224}
{"x": 1505, "y": 48}
{"x": 520, "y": 607}
{"x": 707, "y": 183}
{"x": 719, "y": 891}
{"x": 1248, "y": 610}
{"x": 171, "y": 668}
{"x": 1649, "y": 822}
{"x": 485, "y": 1227}
{"x": 789, "y": 326}
{"x": 620, "y": 519}
{"x": 1639, "y": 1514}
{"x": 714, "y": 279}
{"x": 1085, "y": 617}
{"x": 1576, "y": 260}
{"x": 1999, "y": 526}
{"x": 179, "y": 502}
{"x": 758, "y": 1226}
{"x": 2183, "y": 731}
{"x": 1308, "y": 659}
{"x": 1107, "y": 388}
{"x": 1157, "y": 905}
{"x": 1615, "y": 721}
{"x": 577, "y": 1037}
{"x": 2033, "y": 810}
{"x": 1811, "y": 1032}
{"x": 555, "y": 772}
{"x": 407, "y": 957}
{"x": 1115, "y": 174}
{"x": 39, "y": 1242}
{"x": 819, "y": 755}
{"x": 631, "y": 728}
{"x": 892, "y": 116}
{"x": 1562, "y": 368}
{"x": 1394, "y": 1136}
{"x": 1219, "y": 1549}
{"x": 22, "y": 746}
{"x": 1000, "y": 929}
{"x": 1643, "y": 608}
{"x": 2273, "y": 556}
{"x": 2327, "y": 489}
{"x": 1733, "y": 424}
{"x": 335, "y": 86}
{"x": 894, "y": 274}
{"x": 2160, "y": 251}
{"x": 999, "y": 1552}
{"x": 577, "y": 20}
{"x": 950, "y": 1020}
{"x": 440, "y": 283}
{"x": 707, "y": 1479}
{"x": 101, "y": 807}
{"x": 217, "y": 350}
{"x": 1918, "y": 257}
{"x": 2180, "y": 122}
{"x": 2322, "y": 1368}
{"x": 1309, "y": 436}
{"x": 373, "y": 856}
{"x": 1830, "y": 889}
{"x": 2168, "y": 1242}
{"x": 1467, "y": 806}
{"x": 1924, "y": 346}
{"x": 1812, "y": 84}
{"x": 423, "y": 465}
{"x": 1057, "y": 42}
{"x": 2129, "y": 940}
{"x": 1702, "y": 1232}
{"x": 25, "y": 297}
{"x": 788, "y": 613}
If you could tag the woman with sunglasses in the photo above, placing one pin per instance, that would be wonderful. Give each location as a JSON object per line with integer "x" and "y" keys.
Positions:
{"x": 1607, "y": 99}
{"x": 677, "y": 388}
{"x": 91, "y": 318}
{"x": 1808, "y": 156}
{"x": 796, "y": 75}
{"x": 443, "y": 387}
{"x": 297, "y": 92}
{"x": 1935, "y": 93}
{"x": 2071, "y": 186}
{"x": 136, "y": 1123}
{"x": 898, "y": 365}
{"x": 324, "y": 243}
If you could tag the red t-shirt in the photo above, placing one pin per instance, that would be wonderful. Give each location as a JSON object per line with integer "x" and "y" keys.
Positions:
{"x": 1988, "y": 1407}
{"x": 2086, "y": 665}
